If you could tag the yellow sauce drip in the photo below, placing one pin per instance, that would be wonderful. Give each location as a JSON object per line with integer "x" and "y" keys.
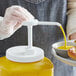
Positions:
{"x": 65, "y": 47}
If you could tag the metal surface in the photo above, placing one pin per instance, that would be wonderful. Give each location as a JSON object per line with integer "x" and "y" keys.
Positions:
{"x": 62, "y": 55}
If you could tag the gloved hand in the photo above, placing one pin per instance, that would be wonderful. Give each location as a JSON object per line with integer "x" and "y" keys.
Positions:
{"x": 12, "y": 21}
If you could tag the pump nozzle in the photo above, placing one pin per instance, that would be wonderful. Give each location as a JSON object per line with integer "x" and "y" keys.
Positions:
{"x": 30, "y": 23}
{"x": 36, "y": 22}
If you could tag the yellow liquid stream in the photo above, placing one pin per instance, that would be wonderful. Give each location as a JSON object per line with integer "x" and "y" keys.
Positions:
{"x": 64, "y": 36}
{"x": 65, "y": 47}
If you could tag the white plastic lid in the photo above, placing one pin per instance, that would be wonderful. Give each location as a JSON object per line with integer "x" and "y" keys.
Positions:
{"x": 24, "y": 54}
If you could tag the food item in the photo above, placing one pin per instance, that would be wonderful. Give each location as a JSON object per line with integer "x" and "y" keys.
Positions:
{"x": 72, "y": 53}
{"x": 75, "y": 41}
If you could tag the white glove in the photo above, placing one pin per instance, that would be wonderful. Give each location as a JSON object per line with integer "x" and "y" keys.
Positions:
{"x": 13, "y": 19}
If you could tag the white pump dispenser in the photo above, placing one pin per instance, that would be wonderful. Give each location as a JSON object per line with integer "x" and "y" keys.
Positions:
{"x": 28, "y": 53}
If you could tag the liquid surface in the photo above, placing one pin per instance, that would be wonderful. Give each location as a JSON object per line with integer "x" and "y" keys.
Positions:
{"x": 65, "y": 48}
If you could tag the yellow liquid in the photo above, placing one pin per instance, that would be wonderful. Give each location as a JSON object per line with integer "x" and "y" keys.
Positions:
{"x": 64, "y": 36}
{"x": 40, "y": 68}
{"x": 65, "y": 47}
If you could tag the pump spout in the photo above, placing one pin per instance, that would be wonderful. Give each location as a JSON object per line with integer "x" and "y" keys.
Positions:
{"x": 48, "y": 23}
{"x": 36, "y": 22}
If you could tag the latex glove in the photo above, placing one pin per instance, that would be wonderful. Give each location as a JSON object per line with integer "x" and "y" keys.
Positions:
{"x": 14, "y": 16}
